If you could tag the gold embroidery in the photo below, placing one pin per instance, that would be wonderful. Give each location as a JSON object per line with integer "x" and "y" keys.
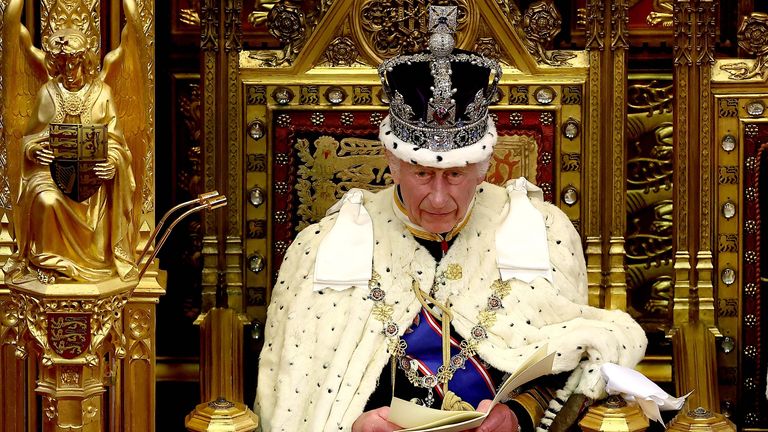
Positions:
{"x": 453, "y": 272}
{"x": 382, "y": 312}
{"x": 501, "y": 288}
{"x": 486, "y": 318}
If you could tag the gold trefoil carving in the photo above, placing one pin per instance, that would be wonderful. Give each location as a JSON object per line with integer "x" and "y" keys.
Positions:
{"x": 333, "y": 168}
{"x": 139, "y": 323}
{"x": 753, "y": 38}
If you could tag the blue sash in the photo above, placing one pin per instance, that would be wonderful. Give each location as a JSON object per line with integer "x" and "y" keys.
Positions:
{"x": 425, "y": 345}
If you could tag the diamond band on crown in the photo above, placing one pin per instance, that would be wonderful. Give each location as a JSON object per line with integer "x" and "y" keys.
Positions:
{"x": 442, "y": 127}
{"x": 438, "y": 139}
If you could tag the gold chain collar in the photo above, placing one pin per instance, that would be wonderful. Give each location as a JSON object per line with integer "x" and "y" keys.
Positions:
{"x": 396, "y": 346}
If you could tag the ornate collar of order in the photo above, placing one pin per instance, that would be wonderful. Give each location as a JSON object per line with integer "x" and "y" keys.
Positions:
{"x": 396, "y": 346}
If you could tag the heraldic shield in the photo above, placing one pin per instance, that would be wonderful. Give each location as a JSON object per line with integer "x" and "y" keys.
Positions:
{"x": 69, "y": 334}
{"x": 77, "y": 148}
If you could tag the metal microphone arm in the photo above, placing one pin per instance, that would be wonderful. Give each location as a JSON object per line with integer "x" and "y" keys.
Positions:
{"x": 205, "y": 201}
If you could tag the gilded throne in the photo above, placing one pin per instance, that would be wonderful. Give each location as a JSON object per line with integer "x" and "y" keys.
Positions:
{"x": 674, "y": 147}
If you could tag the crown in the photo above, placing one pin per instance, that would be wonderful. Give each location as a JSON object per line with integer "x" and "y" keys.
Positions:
{"x": 439, "y": 99}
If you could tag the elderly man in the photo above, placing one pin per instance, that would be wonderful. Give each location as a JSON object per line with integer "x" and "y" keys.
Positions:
{"x": 433, "y": 289}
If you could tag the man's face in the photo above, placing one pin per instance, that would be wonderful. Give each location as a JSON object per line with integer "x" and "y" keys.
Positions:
{"x": 437, "y": 199}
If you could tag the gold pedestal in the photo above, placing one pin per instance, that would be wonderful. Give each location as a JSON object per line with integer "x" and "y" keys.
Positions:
{"x": 701, "y": 420}
{"x": 221, "y": 375}
{"x": 614, "y": 415}
{"x": 221, "y": 416}
{"x": 76, "y": 333}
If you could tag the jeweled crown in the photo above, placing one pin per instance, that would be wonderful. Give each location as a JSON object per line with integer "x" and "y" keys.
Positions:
{"x": 439, "y": 98}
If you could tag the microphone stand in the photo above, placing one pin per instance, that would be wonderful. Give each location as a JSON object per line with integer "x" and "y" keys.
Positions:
{"x": 206, "y": 201}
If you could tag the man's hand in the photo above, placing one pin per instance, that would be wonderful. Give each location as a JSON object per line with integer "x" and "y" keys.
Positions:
{"x": 500, "y": 419}
{"x": 104, "y": 170}
{"x": 374, "y": 421}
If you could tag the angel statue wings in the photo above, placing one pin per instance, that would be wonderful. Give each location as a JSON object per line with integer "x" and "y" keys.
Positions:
{"x": 73, "y": 134}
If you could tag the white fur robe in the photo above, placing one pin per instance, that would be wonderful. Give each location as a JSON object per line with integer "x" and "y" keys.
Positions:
{"x": 324, "y": 351}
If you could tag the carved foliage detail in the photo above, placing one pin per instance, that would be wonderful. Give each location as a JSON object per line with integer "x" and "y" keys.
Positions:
{"x": 649, "y": 242}
{"x": 67, "y": 328}
{"x": 400, "y": 26}
{"x": 342, "y": 52}
{"x": 209, "y": 22}
{"x": 291, "y": 22}
{"x": 705, "y": 34}
{"x": 83, "y": 15}
{"x": 233, "y": 30}
{"x": 595, "y": 17}
{"x": 541, "y": 23}
{"x": 682, "y": 14}
{"x": 619, "y": 26}
{"x": 753, "y": 38}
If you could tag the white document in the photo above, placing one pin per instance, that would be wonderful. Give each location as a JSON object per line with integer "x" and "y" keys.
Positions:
{"x": 416, "y": 418}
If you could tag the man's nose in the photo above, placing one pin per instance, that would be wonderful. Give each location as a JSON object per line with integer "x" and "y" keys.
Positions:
{"x": 438, "y": 196}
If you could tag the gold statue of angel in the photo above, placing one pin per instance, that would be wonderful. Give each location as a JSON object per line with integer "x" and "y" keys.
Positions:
{"x": 60, "y": 238}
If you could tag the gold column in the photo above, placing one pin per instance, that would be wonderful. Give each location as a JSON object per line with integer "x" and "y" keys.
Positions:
{"x": 221, "y": 366}
{"x": 606, "y": 212}
{"x": 595, "y": 117}
{"x": 134, "y": 389}
{"x": 616, "y": 295}
{"x": 694, "y": 330}
{"x": 221, "y": 327}
{"x": 12, "y": 373}
{"x": 222, "y": 148}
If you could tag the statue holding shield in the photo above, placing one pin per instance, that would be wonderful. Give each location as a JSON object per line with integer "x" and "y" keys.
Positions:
{"x": 73, "y": 211}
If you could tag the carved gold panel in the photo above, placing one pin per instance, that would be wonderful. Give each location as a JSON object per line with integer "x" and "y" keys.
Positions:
{"x": 741, "y": 136}
{"x": 649, "y": 242}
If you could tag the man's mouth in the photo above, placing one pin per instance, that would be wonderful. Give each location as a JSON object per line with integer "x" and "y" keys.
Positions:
{"x": 438, "y": 214}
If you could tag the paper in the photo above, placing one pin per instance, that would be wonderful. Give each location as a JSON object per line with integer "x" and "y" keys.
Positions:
{"x": 634, "y": 386}
{"x": 416, "y": 418}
